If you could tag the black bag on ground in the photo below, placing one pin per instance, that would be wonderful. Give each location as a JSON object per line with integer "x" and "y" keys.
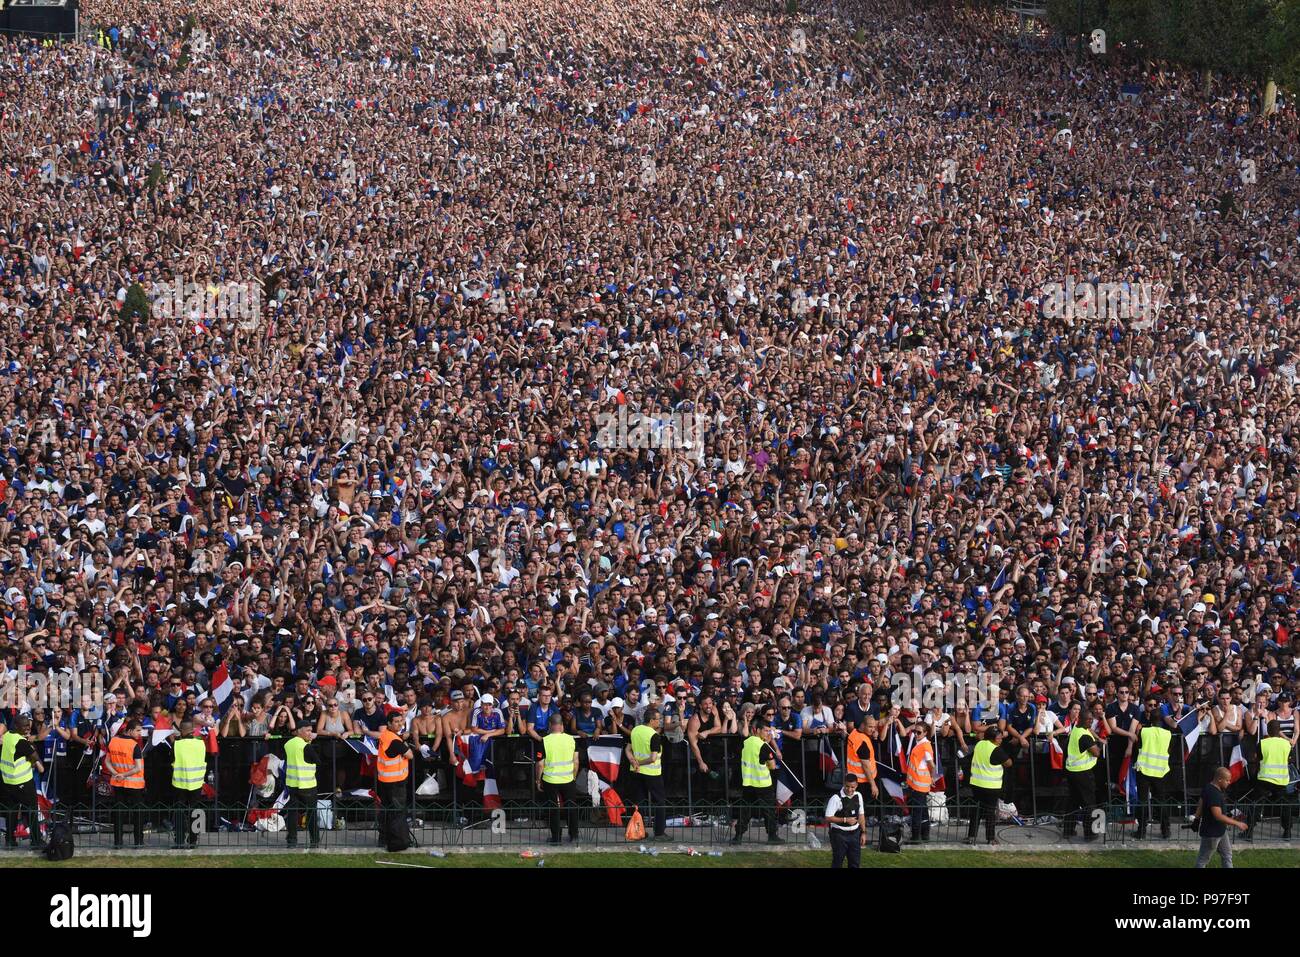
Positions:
{"x": 891, "y": 838}
{"x": 398, "y": 836}
{"x": 60, "y": 846}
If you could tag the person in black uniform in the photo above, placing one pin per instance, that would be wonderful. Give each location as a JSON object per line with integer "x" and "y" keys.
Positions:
{"x": 20, "y": 799}
{"x": 846, "y": 816}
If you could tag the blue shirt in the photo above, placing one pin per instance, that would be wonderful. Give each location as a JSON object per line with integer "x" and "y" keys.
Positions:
{"x": 854, "y": 712}
{"x": 587, "y": 724}
{"x": 1167, "y": 711}
{"x": 540, "y": 718}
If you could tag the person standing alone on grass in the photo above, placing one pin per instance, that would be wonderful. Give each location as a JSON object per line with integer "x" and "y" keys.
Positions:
{"x": 986, "y": 766}
{"x": 559, "y": 772}
{"x": 1214, "y": 823}
{"x": 846, "y": 817}
{"x": 645, "y": 752}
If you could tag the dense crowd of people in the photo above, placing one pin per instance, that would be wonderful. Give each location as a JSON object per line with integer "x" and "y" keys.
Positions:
{"x": 477, "y": 228}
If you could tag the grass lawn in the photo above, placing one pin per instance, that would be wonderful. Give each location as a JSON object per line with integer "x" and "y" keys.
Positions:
{"x": 928, "y": 859}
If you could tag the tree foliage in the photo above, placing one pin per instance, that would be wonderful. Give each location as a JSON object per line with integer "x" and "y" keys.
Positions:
{"x": 1257, "y": 39}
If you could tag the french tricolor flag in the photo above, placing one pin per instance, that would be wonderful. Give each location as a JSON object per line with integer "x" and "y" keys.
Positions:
{"x": 1127, "y": 782}
{"x": 476, "y": 767}
{"x": 44, "y": 808}
{"x": 827, "y": 757}
{"x": 44, "y": 805}
{"x": 368, "y": 750}
{"x": 602, "y": 792}
{"x": 788, "y": 786}
{"x": 222, "y": 686}
{"x": 891, "y": 777}
{"x": 605, "y": 755}
{"x": 1237, "y": 764}
{"x": 1191, "y": 725}
{"x": 491, "y": 795}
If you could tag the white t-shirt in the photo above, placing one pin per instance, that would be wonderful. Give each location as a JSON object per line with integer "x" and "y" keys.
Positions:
{"x": 841, "y": 805}
{"x": 1047, "y": 721}
{"x": 808, "y": 715}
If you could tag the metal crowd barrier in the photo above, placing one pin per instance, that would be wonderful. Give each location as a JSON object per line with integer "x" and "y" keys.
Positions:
{"x": 1034, "y": 794}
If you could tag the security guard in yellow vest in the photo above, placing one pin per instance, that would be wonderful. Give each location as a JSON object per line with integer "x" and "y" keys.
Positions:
{"x": 645, "y": 751}
{"x": 1274, "y": 776}
{"x": 757, "y": 790}
{"x": 1152, "y": 767}
{"x": 986, "y": 765}
{"x": 17, "y": 759}
{"x": 300, "y": 760}
{"x": 189, "y": 766}
{"x": 1081, "y": 752}
{"x": 559, "y": 773}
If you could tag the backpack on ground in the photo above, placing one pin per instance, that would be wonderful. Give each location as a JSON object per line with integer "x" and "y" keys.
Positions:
{"x": 60, "y": 846}
{"x": 891, "y": 838}
{"x": 399, "y": 836}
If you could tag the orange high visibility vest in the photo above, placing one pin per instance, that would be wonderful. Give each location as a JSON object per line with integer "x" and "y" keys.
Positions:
{"x": 918, "y": 766}
{"x": 121, "y": 764}
{"x": 391, "y": 770}
{"x": 855, "y": 765}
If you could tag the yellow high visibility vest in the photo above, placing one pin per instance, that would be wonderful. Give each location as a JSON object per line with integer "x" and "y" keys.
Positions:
{"x": 1274, "y": 755}
{"x": 983, "y": 772}
{"x": 1076, "y": 758}
{"x": 558, "y": 749}
{"x": 753, "y": 772}
{"x": 189, "y": 765}
{"x": 1153, "y": 758}
{"x": 13, "y": 769}
{"x": 298, "y": 773}
{"x": 649, "y": 760}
